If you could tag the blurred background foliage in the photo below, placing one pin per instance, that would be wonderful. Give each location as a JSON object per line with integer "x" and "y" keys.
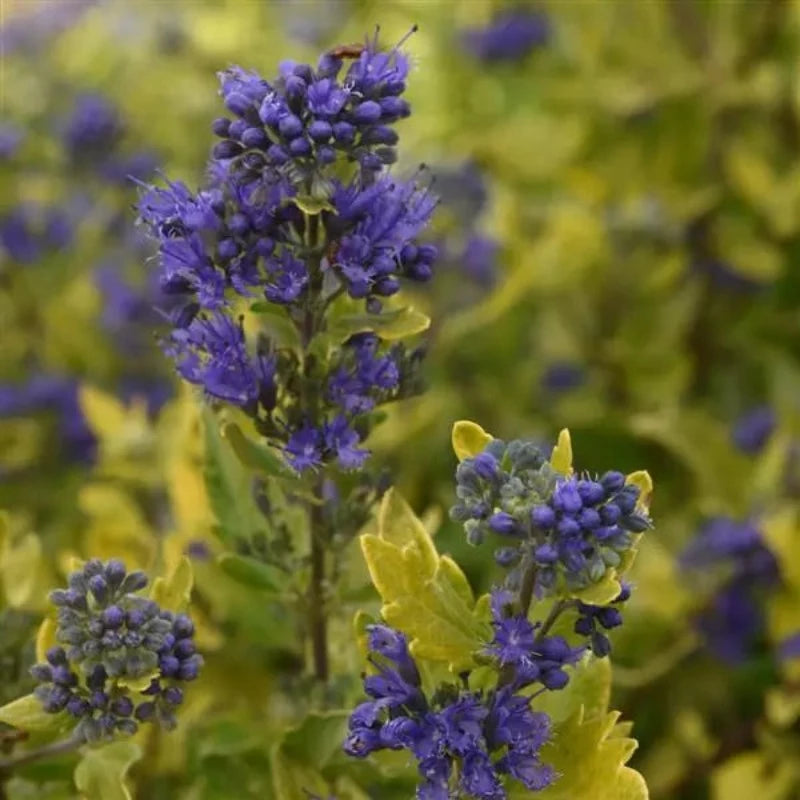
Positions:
{"x": 620, "y": 225}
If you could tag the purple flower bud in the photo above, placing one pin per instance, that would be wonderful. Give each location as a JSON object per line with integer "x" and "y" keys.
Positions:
{"x": 589, "y": 519}
{"x": 226, "y": 149}
{"x": 546, "y": 554}
{"x": 555, "y": 679}
{"x": 568, "y": 527}
{"x": 503, "y": 523}
{"x": 506, "y": 556}
{"x": 486, "y": 466}
{"x": 99, "y": 588}
{"x": 238, "y": 104}
{"x": 591, "y": 492}
{"x": 290, "y": 126}
{"x": 636, "y": 523}
{"x": 609, "y": 618}
{"x": 277, "y": 155}
{"x": 126, "y": 726}
{"x": 394, "y": 108}
{"x": 320, "y": 130}
{"x": 98, "y": 699}
{"x": 56, "y": 656}
{"x": 183, "y": 627}
{"x": 190, "y": 669}
{"x": 543, "y": 517}
{"x": 221, "y": 126}
{"x": 344, "y": 132}
{"x": 41, "y": 673}
{"x": 78, "y": 707}
{"x": 63, "y": 676}
{"x": 113, "y": 617}
{"x": 254, "y": 137}
{"x": 145, "y": 711}
{"x": 610, "y": 513}
{"x": 169, "y": 666}
{"x": 300, "y": 147}
{"x": 133, "y": 582}
{"x": 601, "y": 646}
{"x": 367, "y": 112}
{"x": 612, "y": 482}
{"x": 122, "y": 706}
{"x": 184, "y": 648}
{"x": 115, "y": 573}
{"x": 227, "y": 249}
{"x": 173, "y": 695}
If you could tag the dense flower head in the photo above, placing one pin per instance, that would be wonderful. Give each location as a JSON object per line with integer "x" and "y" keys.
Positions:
{"x": 732, "y": 622}
{"x": 593, "y": 620}
{"x": 93, "y": 128}
{"x": 296, "y": 211}
{"x": 308, "y": 116}
{"x": 109, "y": 637}
{"x": 510, "y": 36}
{"x": 29, "y": 232}
{"x": 533, "y": 656}
{"x": 55, "y": 395}
{"x": 574, "y": 529}
{"x": 487, "y": 735}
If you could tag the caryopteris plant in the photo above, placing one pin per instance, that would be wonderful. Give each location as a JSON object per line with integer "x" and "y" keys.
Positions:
{"x": 286, "y": 270}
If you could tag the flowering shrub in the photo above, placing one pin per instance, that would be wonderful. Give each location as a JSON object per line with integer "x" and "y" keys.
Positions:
{"x": 241, "y": 324}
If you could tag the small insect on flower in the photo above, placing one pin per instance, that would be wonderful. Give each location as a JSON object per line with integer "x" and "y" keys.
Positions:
{"x": 347, "y": 50}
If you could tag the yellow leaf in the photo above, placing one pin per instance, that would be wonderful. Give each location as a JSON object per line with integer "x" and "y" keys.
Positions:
{"x": 469, "y": 439}
{"x": 45, "y": 638}
{"x": 27, "y": 714}
{"x": 105, "y": 414}
{"x": 20, "y": 571}
{"x": 173, "y": 593}
{"x": 561, "y": 459}
{"x": 750, "y": 775}
{"x": 644, "y": 482}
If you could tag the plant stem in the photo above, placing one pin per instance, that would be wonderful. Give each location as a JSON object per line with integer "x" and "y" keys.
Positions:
{"x": 318, "y": 623}
{"x": 526, "y": 590}
{"x": 558, "y": 607}
{"x": 8, "y": 765}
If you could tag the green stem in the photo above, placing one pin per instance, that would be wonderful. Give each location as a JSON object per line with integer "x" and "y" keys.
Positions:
{"x": 558, "y": 608}
{"x": 318, "y": 623}
{"x": 8, "y": 765}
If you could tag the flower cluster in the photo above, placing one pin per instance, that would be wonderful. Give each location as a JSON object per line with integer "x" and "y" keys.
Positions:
{"x": 110, "y": 637}
{"x": 585, "y": 528}
{"x": 574, "y": 529}
{"x": 510, "y": 36}
{"x": 488, "y": 735}
{"x": 296, "y": 213}
{"x": 733, "y": 621}
{"x": 593, "y": 620}
{"x": 533, "y": 656}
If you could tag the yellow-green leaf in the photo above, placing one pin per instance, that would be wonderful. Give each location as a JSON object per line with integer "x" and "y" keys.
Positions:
{"x": 750, "y": 775}
{"x": 644, "y": 482}
{"x": 105, "y": 414}
{"x": 293, "y": 781}
{"x": 19, "y": 569}
{"x": 468, "y": 439}
{"x": 590, "y": 754}
{"x": 173, "y": 593}
{"x": 392, "y": 324}
{"x": 424, "y": 597}
{"x": 260, "y": 457}
{"x": 27, "y": 714}
{"x": 561, "y": 458}
{"x": 45, "y": 638}
{"x": 589, "y": 688}
{"x": 100, "y": 774}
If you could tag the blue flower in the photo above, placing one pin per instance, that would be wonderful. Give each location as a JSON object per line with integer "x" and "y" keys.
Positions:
{"x": 211, "y": 352}
{"x": 108, "y": 634}
{"x": 93, "y": 129}
{"x": 753, "y": 429}
{"x": 510, "y": 36}
{"x": 455, "y": 727}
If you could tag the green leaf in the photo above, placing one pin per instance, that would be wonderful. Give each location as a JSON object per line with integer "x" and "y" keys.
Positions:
{"x": 317, "y": 738}
{"x": 27, "y": 714}
{"x": 426, "y": 600}
{"x": 228, "y": 485}
{"x": 261, "y": 458}
{"x": 250, "y": 572}
{"x": 392, "y": 324}
{"x": 468, "y": 439}
{"x": 561, "y": 459}
{"x": 293, "y": 781}
{"x": 100, "y": 774}
{"x": 589, "y": 754}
